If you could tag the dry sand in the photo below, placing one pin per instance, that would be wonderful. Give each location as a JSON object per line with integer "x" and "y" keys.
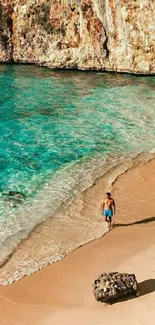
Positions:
{"x": 62, "y": 293}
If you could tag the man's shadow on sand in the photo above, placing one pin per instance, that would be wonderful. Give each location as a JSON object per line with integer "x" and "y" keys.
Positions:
{"x": 145, "y": 287}
{"x": 143, "y": 221}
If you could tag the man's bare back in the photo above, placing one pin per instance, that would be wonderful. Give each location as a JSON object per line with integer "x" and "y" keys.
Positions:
{"x": 108, "y": 204}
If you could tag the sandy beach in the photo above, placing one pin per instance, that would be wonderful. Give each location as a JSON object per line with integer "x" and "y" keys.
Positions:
{"x": 62, "y": 293}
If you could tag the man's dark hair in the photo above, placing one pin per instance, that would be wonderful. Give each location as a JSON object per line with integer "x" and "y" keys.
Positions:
{"x": 108, "y": 193}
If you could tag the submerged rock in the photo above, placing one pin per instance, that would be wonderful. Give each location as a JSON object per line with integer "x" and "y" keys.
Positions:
{"x": 14, "y": 198}
{"x": 115, "y": 285}
{"x": 18, "y": 195}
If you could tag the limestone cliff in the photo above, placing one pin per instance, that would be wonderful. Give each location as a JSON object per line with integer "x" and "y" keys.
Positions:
{"x": 114, "y": 35}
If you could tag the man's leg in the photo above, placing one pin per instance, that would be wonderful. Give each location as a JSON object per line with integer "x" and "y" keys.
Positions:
{"x": 110, "y": 223}
{"x": 106, "y": 219}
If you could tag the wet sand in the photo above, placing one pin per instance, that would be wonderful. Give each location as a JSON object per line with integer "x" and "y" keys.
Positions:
{"x": 62, "y": 292}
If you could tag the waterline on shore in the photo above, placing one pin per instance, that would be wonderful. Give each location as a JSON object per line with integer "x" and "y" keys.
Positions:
{"x": 76, "y": 223}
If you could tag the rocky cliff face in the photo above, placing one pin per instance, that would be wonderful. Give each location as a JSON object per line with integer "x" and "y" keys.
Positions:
{"x": 114, "y": 35}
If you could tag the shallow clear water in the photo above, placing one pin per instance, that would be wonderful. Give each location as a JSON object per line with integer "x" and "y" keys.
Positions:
{"x": 60, "y": 128}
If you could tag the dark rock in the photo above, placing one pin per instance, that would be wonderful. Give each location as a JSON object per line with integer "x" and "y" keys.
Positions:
{"x": 114, "y": 285}
{"x": 14, "y": 198}
{"x": 17, "y": 194}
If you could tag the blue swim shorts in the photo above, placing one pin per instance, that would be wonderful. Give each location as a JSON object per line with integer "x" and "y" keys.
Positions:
{"x": 108, "y": 213}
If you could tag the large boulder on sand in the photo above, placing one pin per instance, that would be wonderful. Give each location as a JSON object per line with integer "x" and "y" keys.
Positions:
{"x": 114, "y": 285}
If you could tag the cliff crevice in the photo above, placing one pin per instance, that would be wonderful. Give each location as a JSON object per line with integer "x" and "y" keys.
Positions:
{"x": 6, "y": 32}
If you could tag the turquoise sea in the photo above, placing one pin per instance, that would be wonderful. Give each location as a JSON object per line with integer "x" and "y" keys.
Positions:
{"x": 59, "y": 131}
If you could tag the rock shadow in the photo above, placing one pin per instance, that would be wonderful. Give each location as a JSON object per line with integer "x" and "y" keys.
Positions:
{"x": 146, "y": 287}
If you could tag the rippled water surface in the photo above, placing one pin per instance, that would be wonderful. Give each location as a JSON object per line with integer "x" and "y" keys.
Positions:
{"x": 60, "y": 129}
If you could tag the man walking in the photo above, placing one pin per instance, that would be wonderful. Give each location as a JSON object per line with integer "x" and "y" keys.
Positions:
{"x": 108, "y": 209}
